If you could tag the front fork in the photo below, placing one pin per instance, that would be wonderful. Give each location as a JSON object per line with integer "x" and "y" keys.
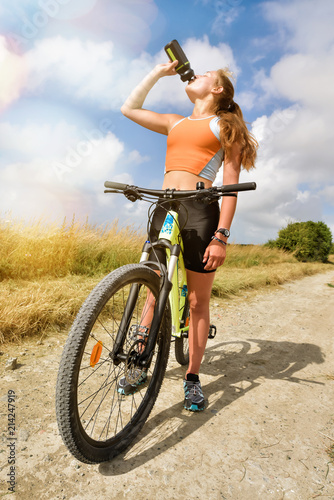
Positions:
{"x": 144, "y": 358}
{"x": 167, "y": 280}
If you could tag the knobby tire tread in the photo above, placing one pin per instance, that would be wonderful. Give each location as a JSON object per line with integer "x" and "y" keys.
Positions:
{"x": 69, "y": 428}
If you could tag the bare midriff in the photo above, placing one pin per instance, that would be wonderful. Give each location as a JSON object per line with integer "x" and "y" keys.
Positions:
{"x": 180, "y": 180}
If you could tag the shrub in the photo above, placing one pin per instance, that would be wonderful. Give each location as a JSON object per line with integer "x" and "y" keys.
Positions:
{"x": 309, "y": 241}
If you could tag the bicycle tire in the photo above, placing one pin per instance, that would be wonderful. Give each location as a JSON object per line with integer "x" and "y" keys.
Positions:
{"x": 95, "y": 421}
{"x": 182, "y": 343}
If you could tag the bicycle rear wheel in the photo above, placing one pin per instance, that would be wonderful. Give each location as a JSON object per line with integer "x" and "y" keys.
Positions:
{"x": 95, "y": 420}
{"x": 182, "y": 343}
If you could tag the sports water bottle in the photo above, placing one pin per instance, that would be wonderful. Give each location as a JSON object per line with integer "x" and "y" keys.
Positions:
{"x": 174, "y": 51}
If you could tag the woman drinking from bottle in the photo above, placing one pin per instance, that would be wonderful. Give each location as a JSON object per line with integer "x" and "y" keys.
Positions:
{"x": 215, "y": 132}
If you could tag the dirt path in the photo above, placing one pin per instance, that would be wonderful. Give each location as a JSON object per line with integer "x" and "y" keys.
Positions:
{"x": 269, "y": 379}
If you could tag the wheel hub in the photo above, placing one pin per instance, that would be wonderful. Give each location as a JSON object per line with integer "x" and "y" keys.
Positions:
{"x": 132, "y": 371}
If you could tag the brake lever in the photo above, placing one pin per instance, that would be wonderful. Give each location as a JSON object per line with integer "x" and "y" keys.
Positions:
{"x": 212, "y": 197}
{"x": 207, "y": 198}
{"x": 132, "y": 194}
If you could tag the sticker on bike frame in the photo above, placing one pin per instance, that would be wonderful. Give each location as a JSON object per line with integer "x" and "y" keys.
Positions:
{"x": 167, "y": 225}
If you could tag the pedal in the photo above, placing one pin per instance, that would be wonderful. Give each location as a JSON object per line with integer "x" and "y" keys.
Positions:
{"x": 212, "y": 332}
{"x": 138, "y": 331}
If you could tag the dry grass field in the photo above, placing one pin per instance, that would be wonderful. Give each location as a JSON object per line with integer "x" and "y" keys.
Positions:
{"x": 47, "y": 270}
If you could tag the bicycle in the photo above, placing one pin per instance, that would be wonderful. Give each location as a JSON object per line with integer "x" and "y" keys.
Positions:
{"x": 123, "y": 332}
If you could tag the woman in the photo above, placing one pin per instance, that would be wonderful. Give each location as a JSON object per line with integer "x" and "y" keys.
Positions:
{"x": 196, "y": 146}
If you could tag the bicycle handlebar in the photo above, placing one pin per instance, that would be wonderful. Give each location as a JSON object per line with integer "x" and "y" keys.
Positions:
{"x": 117, "y": 187}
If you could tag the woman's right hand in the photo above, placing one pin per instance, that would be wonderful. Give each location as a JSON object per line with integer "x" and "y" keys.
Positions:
{"x": 166, "y": 69}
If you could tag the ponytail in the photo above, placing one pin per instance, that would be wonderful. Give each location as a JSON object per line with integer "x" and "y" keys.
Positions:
{"x": 232, "y": 125}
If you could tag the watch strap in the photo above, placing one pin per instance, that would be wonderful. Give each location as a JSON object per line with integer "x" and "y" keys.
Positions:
{"x": 224, "y": 231}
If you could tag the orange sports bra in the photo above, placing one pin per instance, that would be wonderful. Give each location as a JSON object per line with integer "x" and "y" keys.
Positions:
{"x": 193, "y": 146}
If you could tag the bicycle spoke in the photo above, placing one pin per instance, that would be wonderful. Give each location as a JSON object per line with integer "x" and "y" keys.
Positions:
{"x": 95, "y": 414}
{"x": 109, "y": 405}
{"x": 106, "y": 412}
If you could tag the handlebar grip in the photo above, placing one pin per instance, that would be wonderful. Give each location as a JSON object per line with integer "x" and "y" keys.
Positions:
{"x": 244, "y": 186}
{"x": 115, "y": 185}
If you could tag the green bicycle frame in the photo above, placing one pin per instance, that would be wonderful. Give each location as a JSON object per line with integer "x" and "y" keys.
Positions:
{"x": 177, "y": 296}
{"x": 176, "y": 273}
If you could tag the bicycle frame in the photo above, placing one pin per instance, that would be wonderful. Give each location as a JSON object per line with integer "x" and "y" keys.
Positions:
{"x": 170, "y": 239}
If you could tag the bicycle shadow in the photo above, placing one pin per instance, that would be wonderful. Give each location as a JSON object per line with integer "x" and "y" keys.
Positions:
{"x": 242, "y": 367}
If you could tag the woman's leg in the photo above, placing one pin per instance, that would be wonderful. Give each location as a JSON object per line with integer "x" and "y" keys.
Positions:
{"x": 199, "y": 293}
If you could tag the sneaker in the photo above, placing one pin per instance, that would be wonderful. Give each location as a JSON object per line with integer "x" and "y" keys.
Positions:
{"x": 125, "y": 388}
{"x": 193, "y": 394}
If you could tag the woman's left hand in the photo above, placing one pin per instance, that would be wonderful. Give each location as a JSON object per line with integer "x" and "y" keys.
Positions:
{"x": 214, "y": 255}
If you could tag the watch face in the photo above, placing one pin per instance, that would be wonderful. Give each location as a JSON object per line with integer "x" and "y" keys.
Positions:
{"x": 225, "y": 232}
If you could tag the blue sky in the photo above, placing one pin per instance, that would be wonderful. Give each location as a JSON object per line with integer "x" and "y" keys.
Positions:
{"x": 67, "y": 66}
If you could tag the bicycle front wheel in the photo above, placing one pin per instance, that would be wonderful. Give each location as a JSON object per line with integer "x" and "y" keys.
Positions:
{"x": 96, "y": 419}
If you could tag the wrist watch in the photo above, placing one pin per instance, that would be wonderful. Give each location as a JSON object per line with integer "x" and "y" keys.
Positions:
{"x": 225, "y": 232}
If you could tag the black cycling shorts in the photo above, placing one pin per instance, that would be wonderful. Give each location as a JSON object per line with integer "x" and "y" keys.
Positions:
{"x": 198, "y": 221}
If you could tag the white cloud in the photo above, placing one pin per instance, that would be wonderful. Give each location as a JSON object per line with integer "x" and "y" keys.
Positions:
{"x": 295, "y": 163}
{"x": 13, "y": 73}
{"x": 307, "y": 79}
{"x": 70, "y": 179}
{"x": 46, "y": 141}
{"x": 93, "y": 71}
{"x": 127, "y": 22}
{"x": 70, "y": 9}
{"x": 246, "y": 99}
{"x": 293, "y": 166}
{"x": 328, "y": 193}
{"x": 308, "y": 25}
{"x": 82, "y": 68}
{"x": 305, "y": 72}
{"x": 264, "y": 88}
{"x": 205, "y": 57}
{"x": 225, "y": 12}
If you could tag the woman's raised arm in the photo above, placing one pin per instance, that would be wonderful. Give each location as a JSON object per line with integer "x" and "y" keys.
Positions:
{"x": 132, "y": 107}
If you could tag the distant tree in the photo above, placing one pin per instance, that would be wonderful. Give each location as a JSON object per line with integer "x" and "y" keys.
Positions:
{"x": 309, "y": 241}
